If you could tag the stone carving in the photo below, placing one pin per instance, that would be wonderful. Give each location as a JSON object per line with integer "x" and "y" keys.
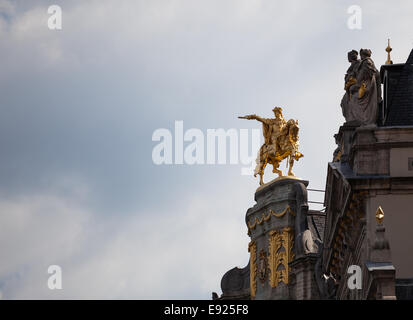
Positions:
{"x": 235, "y": 284}
{"x": 281, "y": 142}
{"x": 262, "y": 266}
{"x": 304, "y": 243}
{"x": 363, "y": 91}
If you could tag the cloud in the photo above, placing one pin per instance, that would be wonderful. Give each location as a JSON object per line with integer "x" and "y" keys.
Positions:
{"x": 36, "y": 231}
{"x": 79, "y": 107}
{"x": 180, "y": 255}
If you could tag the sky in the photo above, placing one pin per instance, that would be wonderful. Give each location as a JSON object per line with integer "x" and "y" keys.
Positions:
{"x": 78, "y": 185}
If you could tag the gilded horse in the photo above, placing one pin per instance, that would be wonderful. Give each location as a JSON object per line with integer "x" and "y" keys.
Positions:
{"x": 286, "y": 147}
{"x": 281, "y": 142}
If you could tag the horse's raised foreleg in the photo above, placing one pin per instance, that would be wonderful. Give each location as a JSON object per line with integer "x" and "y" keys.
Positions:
{"x": 298, "y": 155}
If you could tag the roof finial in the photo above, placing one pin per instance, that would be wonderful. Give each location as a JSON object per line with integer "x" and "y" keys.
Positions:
{"x": 388, "y": 49}
{"x": 379, "y": 215}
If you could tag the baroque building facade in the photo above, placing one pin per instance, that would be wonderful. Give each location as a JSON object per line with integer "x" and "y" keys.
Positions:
{"x": 365, "y": 229}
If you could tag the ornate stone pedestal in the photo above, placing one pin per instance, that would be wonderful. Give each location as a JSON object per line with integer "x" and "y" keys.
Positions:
{"x": 280, "y": 239}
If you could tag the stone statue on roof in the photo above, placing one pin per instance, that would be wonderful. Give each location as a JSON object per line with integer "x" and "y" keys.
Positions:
{"x": 363, "y": 91}
{"x": 350, "y": 81}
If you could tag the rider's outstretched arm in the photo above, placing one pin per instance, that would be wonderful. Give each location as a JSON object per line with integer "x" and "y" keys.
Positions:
{"x": 254, "y": 117}
{"x": 259, "y": 119}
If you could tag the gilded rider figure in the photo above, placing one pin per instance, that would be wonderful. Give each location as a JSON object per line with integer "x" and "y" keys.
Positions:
{"x": 280, "y": 142}
{"x": 272, "y": 129}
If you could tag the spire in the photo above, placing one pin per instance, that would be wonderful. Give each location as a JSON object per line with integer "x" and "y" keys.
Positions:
{"x": 380, "y": 248}
{"x": 388, "y": 49}
{"x": 381, "y": 269}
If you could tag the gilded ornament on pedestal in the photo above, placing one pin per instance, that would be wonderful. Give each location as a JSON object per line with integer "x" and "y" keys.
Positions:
{"x": 281, "y": 253}
{"x": 252, "y": 248}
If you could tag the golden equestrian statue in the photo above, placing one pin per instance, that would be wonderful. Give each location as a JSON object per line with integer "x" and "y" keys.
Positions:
{"x": 281, "y": 142}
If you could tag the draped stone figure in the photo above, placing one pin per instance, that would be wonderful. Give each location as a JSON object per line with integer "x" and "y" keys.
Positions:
{"x": 365, "y": 94}
{"x": 350, "y": 81}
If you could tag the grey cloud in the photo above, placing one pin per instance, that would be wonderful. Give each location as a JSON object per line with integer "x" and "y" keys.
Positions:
{"x": 79, "y": 106}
